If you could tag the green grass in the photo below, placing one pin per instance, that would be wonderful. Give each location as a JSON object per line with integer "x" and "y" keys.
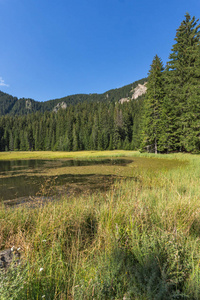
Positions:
{"x": 14, "y": 155}
{"x": 140, "y": 240}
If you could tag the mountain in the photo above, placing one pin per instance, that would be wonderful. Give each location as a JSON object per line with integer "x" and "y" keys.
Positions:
{"x": 10, "y": 105}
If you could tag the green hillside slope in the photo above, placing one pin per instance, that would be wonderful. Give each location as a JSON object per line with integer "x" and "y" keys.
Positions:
{"x": 10, "y": 105}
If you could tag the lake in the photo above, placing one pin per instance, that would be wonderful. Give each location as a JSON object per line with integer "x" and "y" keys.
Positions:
{"x": 24, "y": 180}
{"x": 31, "y": 180}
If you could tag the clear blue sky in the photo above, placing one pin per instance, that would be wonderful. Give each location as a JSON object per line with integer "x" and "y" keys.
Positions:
{"x": 51, "y": 49}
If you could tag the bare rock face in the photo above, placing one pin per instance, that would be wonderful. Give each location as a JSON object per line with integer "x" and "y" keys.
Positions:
{"x": 124, "y": 100}
{"x": 139, "y": 90}
{"x": 7, "y": 256}
{"x": 61, "y": 105}
{"x": 28, "y": 104}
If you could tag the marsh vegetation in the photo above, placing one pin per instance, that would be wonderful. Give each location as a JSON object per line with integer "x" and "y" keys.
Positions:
{"x": 139, "y": 239}
{"x": 26, "y": 179}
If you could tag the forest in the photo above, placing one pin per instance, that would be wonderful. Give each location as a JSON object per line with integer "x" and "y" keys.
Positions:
{"x": 166, "y": 119}
{"x": 85, "y": 126}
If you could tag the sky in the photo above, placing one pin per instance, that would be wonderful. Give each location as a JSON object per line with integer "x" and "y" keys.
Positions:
{"x": 51, "y": 49}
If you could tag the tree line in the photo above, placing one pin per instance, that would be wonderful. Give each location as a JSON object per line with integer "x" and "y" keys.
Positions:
{"x": 85, "y": 126}
{"x": 171, "y": 120}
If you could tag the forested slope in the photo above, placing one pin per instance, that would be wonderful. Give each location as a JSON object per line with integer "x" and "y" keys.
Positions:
{"x": 10, "y": 105}
{"x": 84, "y": 126}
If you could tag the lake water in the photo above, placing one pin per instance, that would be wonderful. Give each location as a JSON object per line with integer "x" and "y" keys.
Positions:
{"x": 29, "y": 180}
{"x": 22, "y": 180}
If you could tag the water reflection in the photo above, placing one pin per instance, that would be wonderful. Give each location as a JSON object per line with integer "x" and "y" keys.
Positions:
{"x": 17, "y": 165}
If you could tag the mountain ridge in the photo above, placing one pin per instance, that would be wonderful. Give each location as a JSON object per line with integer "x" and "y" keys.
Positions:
{"x": 10, "y": 105}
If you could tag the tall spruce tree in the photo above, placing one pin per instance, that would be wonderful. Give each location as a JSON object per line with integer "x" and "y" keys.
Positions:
{"x": 183, "y": 89}
{"x": 152, "y": 121}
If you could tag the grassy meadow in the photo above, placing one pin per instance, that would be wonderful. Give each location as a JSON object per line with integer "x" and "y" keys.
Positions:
{"x": 14, "y": 155}
{"x": 139, "y": 240}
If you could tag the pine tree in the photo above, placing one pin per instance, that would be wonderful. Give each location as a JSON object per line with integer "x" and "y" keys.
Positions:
{"x": 75, "y": 139}
{"x": 152, "y": 122}
{"x": 94, "y": 134}
{"x": 135, "y": 134}
{"x": 11, "y": 142}
{"x": 16, "y": 141}
{"x": 182, "y": 88}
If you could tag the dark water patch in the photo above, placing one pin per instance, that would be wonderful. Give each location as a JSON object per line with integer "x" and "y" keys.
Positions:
{"x": 19, "y": 186}
{"x": 17, "y": 180}
{"x": 92, "y": 162}
{"x": 22, "y": 179}
{"x": 26, "y": 189}
{"x": 19, "y": 167}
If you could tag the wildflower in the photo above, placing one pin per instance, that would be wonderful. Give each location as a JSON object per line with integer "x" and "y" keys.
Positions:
{"x": 43, "y": 296}
{"x": 41, "y": 269}
{"x": 18, "y": 249}
{"x": 44, "y": 241}
{"x": 12, "y": 249}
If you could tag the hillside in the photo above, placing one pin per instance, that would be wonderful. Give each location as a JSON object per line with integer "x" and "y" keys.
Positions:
{"x": 10, "y": 105}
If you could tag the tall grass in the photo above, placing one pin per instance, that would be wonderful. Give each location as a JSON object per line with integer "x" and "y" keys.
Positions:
{"x": 140, "y": 240}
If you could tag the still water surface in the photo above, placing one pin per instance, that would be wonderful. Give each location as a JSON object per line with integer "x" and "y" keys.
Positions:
{"x": 26, "y": 180}
{"x": 20, "y": 180}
